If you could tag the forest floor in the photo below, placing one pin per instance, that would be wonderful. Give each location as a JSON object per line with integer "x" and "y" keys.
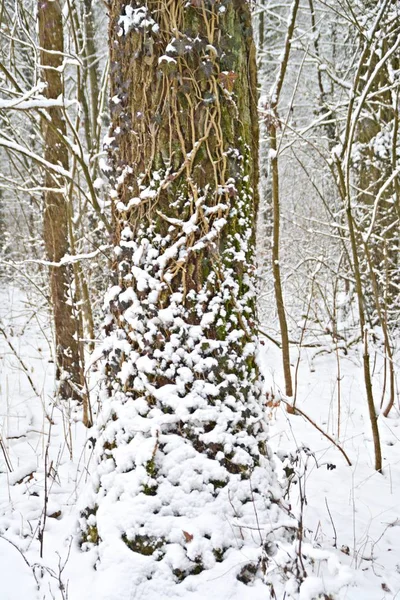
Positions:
{"x": 349, "y": 513}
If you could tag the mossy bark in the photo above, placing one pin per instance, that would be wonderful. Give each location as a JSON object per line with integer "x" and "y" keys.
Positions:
{"x": 185, "y": 111}
{"x": 184, "y": 417}
{"x": 185, "y": 148}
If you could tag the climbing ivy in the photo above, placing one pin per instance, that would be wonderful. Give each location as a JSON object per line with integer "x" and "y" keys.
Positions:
{"x": 184, "y": 475}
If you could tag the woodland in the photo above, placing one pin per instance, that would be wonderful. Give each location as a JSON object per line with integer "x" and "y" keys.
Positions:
{"x": 199, "y": 299}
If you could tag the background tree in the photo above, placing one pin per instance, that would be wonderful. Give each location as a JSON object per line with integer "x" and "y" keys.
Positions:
{"x": 272, "y": 123}
{"x": 56, "y": 207}
{"x": 51, "y": 153}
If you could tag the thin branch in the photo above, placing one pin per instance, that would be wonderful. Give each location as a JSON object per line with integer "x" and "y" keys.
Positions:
{"x": 294, "y": 409}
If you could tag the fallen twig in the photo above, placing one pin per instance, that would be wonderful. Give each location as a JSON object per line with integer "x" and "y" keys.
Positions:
{"x": 299, "y": 343}
{"x": 294, "y": 410}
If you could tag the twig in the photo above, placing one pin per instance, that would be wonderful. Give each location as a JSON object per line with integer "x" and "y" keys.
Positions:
{"x": 332, "y": 523}
{"x": 297, "y": 410}
{"x": 21, "y": 362}
{"x": 299, "y": 343}
{"x": 271, "y": 339}
{"x": 6, "y": 457}
{"x": 46, "y": 491}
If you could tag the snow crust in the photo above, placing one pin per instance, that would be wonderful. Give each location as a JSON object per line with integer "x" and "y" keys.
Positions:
{"x": 363, "y": 504}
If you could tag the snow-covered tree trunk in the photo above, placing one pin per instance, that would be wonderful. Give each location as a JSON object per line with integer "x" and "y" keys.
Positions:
{"x": 184, "y": 476}
{"x": 55, "y": 228}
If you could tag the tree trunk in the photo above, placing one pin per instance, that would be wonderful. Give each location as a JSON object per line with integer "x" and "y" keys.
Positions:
{"x": 183, "y": 437}
{"x": 92, "y": 70}
{"x": 273, "y": 123}
{"x": 375, "y": 171}
{"x": 69, "y": 373}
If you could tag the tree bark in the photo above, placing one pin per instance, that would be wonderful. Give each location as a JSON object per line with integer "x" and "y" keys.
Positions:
{"x": 273, "y": 123}
{"x": 69, "y": 372}
{"x": 184, "y": 405}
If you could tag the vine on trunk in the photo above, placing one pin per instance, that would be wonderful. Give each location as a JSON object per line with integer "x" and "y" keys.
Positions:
{"x": 182, "y": 451}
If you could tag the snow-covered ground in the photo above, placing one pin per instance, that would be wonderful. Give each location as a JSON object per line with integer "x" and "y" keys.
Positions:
{"x": 350, "y": 514}
{"x": 354, "y": 511}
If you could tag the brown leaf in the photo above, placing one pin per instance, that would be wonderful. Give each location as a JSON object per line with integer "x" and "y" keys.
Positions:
{"x": 26, "y": 478}
{"x": 55, "y": 515}
{"x": 227, "y": 80}
{"x": 188, "y": 536}
{"x": 272, "y": 403}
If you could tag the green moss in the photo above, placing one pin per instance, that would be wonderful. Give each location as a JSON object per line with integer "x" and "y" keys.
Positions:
{"x": 236, "y": 469}
{"x": 218, "y": 483}
{"x": 221, "y": 332}
{"x": 239, "y": 426}
{"x": 91, "y": 533}
{"x": 180, "y": 575}
{"x": 143, "y": 544}
{"x": 150, "y": 490}
{"x": 151, "y": 468}
{"x": 196, "y": 569}
{"x": 218, "y": 554}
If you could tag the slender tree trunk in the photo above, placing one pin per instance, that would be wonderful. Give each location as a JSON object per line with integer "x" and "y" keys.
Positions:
{"x": 276, "y": 269}
{"x": 377, "y": 198}
{"x": 345, "y": 194}
{"x": 69, "y": 372}
{"x": 182, "y": 375}
{"x": 92, "y": 70}
{"x": 273, "y": 124}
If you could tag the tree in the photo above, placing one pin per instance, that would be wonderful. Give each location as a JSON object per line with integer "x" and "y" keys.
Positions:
{"x": 364, "y": 134}
{"x": 50, "y": 141}
{"x": 51, "y": 40}
{"x": 272, "y": 124}
{"x": 56, "y": 237}
{"x": 182, "y": 448}
{"x": 375, "y": 161}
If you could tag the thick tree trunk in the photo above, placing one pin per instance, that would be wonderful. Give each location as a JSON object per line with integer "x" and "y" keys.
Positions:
{"x": 69, "y": 369}
{"x": 183, "y": 436}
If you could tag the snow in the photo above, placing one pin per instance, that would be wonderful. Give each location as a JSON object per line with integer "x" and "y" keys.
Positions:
{"x": 136, "y": 19}
{"x": 98, "y": 183}
{"x": 166, "y": 59}
{"x": 10, "y": 145}
{"x": 12, "y": 563}
{"x": 351, "y": 517}
{"x": 36, "y": 102}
